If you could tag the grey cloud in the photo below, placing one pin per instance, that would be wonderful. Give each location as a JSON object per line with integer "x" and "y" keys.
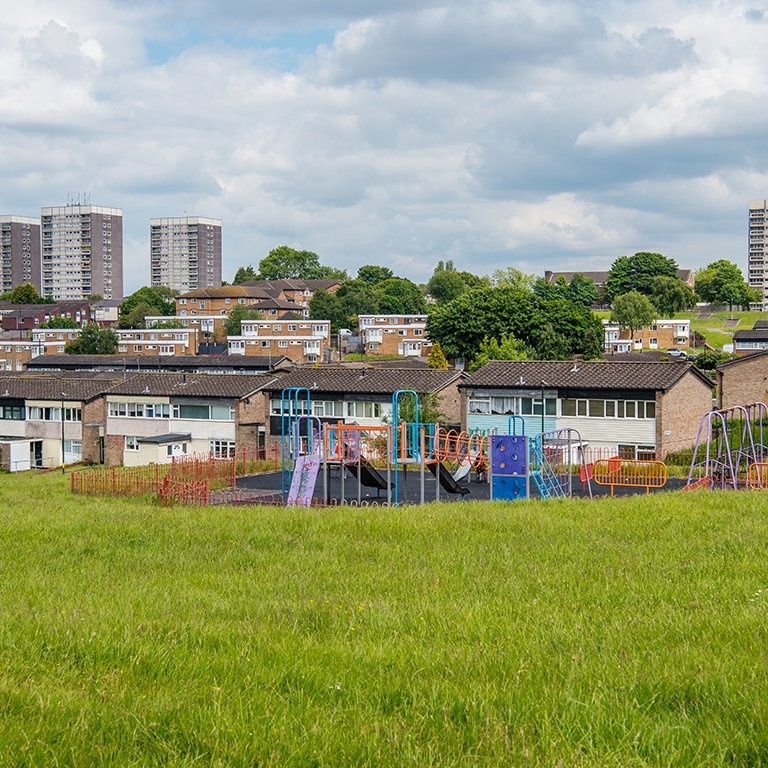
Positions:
{"x": 754, "y": 15}
{"x": 56, "y": 48}
{"x": 459, "y": 44}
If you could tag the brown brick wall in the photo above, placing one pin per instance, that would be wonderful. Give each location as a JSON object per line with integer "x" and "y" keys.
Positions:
{"x": 95, "y": 415}
{"x": 743, "y": 383}
{"x": 248, "y": 418}
{"x": 679, "y": 412}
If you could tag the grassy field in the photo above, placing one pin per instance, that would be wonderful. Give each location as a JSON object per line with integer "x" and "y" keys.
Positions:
{"x": 625, "y": 632}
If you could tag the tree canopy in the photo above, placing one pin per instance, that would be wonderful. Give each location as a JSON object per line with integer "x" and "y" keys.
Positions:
{"x": 93, "y": 341}
{"x": 509, "y": 348}
{"x": 148, "y": 300}
{"x": 243, "y": 274}
{"x": 463, "y": 324}
{"x": 436, "y": 357}
{"x": 632, "y": 310}
{"x": 636, "y": 273}
{"x": 237, "y": 314}
{"x": 59, "y": 322}
{"x": 285, "y": 262}
{"x": 373, "y": 274}
{"x": 25, "y": 293}
{"x": 670, "y": 295}
{"x": 722, "y": 282}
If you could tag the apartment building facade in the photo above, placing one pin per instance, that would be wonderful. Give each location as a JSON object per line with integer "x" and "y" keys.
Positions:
{"x": 757, "y": 264}
{"x": 301, "y": 341}
{"x": 390, "y": 335}
{"x": 660, "y": 334}
{"x": 157, "y": 341}
{"x": 19, "y": 253}
{"x": 185, "y": 252}
{"x": 82, "y": 252}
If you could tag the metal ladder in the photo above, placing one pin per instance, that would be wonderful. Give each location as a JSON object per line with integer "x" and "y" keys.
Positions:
{"x": 543, "y": 475}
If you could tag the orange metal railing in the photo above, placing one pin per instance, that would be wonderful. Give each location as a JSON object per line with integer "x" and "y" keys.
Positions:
{"x": 630, "y": 473}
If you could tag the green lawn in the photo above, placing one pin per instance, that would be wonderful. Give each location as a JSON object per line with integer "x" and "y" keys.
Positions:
{"x": 625, "y": 632}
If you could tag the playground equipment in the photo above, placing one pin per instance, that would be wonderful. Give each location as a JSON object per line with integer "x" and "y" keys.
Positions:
{"x": 547, "y": 459}
{"x": 731, "y": 448}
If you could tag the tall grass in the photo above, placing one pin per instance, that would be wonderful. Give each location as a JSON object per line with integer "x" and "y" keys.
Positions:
{"x": 624, "y": 632}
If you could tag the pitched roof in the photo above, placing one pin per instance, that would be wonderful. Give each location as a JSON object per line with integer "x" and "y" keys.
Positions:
{"x": 50, "y": 386}
{"x": 375, "y": 380}
{"x": 753, "y": 334}
{"x": 582, "y": 375}
{"x": 242, "y": 290}
{"x": 156, "y": 362}
{"x": 743, "y": 358}
{"x": 190, "y": 385}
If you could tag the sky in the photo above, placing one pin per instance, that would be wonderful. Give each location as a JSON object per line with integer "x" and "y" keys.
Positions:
{"x": 539, "y": 135}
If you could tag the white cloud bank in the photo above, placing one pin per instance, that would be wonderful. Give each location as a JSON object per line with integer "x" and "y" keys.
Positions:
{"x": 540, "y": 135}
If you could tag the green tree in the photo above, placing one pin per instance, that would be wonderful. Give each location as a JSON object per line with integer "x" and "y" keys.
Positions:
{"x": 25, "y": 293}
{"x": 709, "y": 360}
{"x": 237, "y": 314}
{"x": 159, "y": 300}
{"x": 722, "y": 282}
{"x": 632, "y": 311}
{"x": 447, "y": 283}
{"x": 513, "y": 278}
{"x": 136, "y": 318}
{"x": 285, "y": 262}
{"x": 474, "y": 281}
{"x": 636, "y": 273}
{"x": 244, "y": 274}
{"x": 326, "y": 306}
{"x": 93, "y": 341}
{"x": 436, "y": 357}
{"x": 461, "y": 325}
{"x": 430, "y": 408}
{"x": 356, "y": 298}
{"x": 373, "y": 274}
{"x": 95, "y": 297}
{"x": 59, "y": 322}
{"x": 400, "y": 296}
{"x": 509, "y": 348}
{"x": 670, "y": 295}
{"x": 549, "y": 344}
{"x": 582, "y": 290}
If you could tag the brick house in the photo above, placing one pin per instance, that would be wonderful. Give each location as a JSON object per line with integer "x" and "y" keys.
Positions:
{"x": 302, "y": 341}
{"x": 26, "y": 317}
{"x": 362, "y": 395}
{"x": 661, "y": 334}
{"x": 31, "y": 417}
{"x": 157, "y": 341}
{"x": 743, "y": 380}
{"x": 403, "y": 335}
{"x": 748, "y": 341}
{"x": 206, "y": 412}
{"x": 636, "y": 409}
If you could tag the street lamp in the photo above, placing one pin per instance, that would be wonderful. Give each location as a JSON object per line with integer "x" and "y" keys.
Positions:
{"x": 62, "y": 432}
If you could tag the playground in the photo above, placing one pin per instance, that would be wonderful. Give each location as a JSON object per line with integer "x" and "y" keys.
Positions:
{"x": 409, "y": 462}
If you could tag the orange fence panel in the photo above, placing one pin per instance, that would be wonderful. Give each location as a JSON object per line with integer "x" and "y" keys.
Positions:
{"x": 630, "y": 473}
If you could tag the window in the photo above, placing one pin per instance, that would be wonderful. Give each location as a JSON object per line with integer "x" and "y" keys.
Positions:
{"x": 479, "y": 404}
{"x": 265, "y": 343}
{"x": 13, "y": 412}
{"x": 131, "y": 443}
{"x": 222, "y": 449}
{"x": 291, "y": 327}
{"x": 504, "y": 406}
{"x": 282, "y": 343}
{"x": 73, "y": 447}
{"x": 211, "y": 412}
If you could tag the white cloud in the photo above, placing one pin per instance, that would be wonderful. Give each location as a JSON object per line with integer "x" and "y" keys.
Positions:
{"x": 525, "y": 133}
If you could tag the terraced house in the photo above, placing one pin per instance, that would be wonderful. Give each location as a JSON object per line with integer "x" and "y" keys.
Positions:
{"x": 636, "y": 410}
